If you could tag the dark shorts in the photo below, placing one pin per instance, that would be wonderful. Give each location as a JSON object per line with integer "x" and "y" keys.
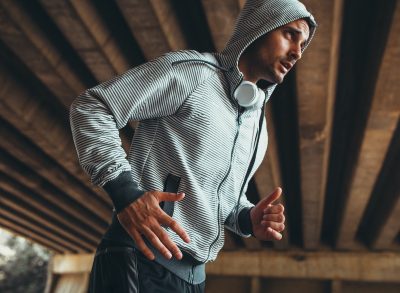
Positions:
{"x": 125, "y": 269}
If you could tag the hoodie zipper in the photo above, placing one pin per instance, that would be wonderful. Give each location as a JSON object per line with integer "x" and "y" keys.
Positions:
{"x": 238, "y": 123}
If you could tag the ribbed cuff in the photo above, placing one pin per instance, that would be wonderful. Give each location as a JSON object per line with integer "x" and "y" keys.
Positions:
{"x": 123, "y": 191}
{"x": 244, "y": 221}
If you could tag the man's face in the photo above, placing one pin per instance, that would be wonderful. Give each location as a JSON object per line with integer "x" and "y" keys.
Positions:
{"x": 274, "y": 54}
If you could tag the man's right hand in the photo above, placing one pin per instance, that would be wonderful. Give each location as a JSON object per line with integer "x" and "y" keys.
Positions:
{"x": 144, "y": 217}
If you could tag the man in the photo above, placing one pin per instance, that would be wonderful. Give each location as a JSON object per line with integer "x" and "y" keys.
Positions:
{"x": 202, "y": 135}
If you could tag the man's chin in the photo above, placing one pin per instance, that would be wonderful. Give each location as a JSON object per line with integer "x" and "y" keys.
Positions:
{"x": 275, "y": 79}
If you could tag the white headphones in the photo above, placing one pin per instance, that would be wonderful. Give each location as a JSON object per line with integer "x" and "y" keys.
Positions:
{"x": 249, "y": 96}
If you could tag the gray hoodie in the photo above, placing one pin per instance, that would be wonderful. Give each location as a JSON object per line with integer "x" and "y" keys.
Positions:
{"x": 191, "y": 127}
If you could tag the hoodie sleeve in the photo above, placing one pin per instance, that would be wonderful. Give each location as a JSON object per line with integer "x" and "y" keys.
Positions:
{"x": 238, "y": 221}
{"x": 154, "y": 89}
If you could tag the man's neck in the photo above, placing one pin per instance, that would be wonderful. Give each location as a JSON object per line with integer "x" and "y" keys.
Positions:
{"x": 244, "y": 67}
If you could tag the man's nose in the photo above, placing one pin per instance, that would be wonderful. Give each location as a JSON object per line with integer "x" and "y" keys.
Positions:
{"x": 296, "y": 53}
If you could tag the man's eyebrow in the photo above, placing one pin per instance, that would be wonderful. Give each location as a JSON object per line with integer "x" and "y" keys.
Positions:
{"x": 294, "y": 29}
{"x": 297, "y": 31}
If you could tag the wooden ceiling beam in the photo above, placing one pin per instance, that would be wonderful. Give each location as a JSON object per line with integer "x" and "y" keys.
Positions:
{"x": 169, "y": 24}
{"x": 34, "y": 201}
{"x": 27, "y": 41}
{"x": 89, "y": 36}
{"x": 21, "y": 221}
{"x": 10, "y": 201}
{"x": 362, "y": 266}
{"x": 381, "y": 125}
{"x": 375, "y": 267}
{"x": 35, "y": 119}
{"x": 28, "y": 234}
{"x": 20, "y": 173}
{"x": 316, "y": 82}
{"x": 385, "y": 216}
{"x": 19, "y": 147}
{"x": 29, "y": 44}
{"x": 154, "y": 25}
{"x": 221, "y": 18}
{"x": 101, "y": 33}
{"x": 390, "y": 228}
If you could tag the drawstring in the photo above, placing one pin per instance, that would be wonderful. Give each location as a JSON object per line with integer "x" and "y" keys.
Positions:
{"x": 203, "y": 61}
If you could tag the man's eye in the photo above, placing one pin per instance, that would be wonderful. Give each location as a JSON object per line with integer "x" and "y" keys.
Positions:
{"x": 289, "y": 34}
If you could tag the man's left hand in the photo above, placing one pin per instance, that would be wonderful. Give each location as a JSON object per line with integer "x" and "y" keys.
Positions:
{"x": 268, "y": 219}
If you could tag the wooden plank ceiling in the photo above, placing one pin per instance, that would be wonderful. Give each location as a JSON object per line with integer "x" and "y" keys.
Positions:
{"x": 334, "y": 125}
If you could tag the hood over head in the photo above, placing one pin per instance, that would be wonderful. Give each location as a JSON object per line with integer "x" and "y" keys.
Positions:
{"x": 257, "y": 18}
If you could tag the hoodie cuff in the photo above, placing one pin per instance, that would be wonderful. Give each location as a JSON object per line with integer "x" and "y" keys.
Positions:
{"x": 244, "y": 221}
{"x": 123, "y": 191}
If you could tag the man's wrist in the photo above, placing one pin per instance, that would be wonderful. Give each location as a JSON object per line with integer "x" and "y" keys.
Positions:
{"x": 123, "y": 191}
{"x": 244, "y": 220}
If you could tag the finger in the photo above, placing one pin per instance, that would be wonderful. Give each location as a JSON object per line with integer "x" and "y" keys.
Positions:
{"x": 170, "y": 222}
{"x": 271, "y": 233}
{"x": 170, "y": 196}
{"x": 274, "y": 225}
{"x": 164, "y": 238}
{"x": 272, "y": 197}
{"x": 280, "y": 218}
{"x": 141, "y": 245}
{"x": 274, "y": 209}
{"x": 155, "y": 241}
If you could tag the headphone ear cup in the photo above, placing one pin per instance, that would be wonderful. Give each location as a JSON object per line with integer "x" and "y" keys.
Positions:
{"x": 248, "y": 95}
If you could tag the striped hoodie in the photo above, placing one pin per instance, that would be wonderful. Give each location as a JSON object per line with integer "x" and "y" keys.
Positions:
{"x": 190, "y": 126}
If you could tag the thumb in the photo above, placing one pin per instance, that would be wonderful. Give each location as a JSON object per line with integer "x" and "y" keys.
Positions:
{"x": 170, "y": 196}
{"x": 272, "y": 197}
